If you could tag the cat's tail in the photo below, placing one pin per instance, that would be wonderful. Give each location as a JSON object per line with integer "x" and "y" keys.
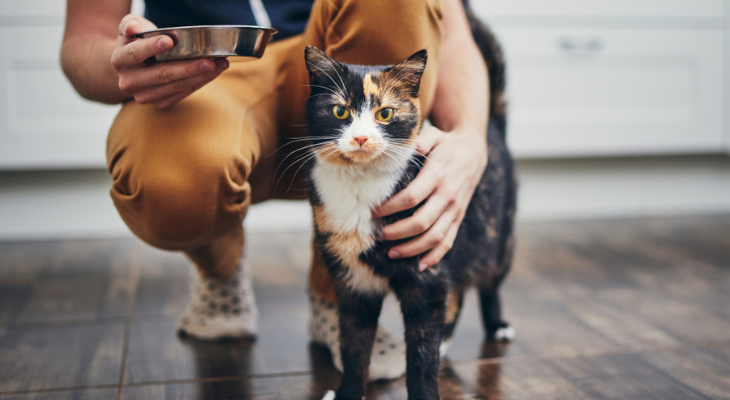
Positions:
{"x": 492, "y": 53}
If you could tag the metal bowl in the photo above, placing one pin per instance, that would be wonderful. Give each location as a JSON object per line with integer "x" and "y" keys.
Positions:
{"x": 213, "y": 41}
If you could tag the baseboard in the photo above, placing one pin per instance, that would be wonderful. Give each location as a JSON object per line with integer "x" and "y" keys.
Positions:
{"x": 76, "y": 204}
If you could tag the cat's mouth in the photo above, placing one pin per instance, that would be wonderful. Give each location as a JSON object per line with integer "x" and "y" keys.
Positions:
{"x": 332, "y": 154}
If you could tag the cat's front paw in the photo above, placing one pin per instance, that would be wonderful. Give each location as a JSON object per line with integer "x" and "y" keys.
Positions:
{"x": 501, "y": 332}
{"x": 329, "y": 396}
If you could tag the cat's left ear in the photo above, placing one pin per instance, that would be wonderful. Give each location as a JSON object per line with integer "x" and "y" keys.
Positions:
{"x": 408, "y": 72}
{"x": 323, "y": 70}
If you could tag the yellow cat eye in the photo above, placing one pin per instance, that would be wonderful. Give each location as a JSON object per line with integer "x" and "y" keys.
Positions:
{"x": 340, "y": 112}
{"x": 385, "y": 114}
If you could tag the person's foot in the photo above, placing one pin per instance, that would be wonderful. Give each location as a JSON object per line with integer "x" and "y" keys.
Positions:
{"x": 388, "y": 358}
{"x": 220, "y": 308}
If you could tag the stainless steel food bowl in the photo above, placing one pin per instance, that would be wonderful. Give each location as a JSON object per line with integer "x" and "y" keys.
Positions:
{"x": 213, "y": 41}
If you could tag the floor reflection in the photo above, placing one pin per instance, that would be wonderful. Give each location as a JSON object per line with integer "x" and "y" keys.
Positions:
{"x": 219, "y": 359}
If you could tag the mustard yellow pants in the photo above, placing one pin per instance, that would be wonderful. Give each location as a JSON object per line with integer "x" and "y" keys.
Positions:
{"x": 183, "y": 177}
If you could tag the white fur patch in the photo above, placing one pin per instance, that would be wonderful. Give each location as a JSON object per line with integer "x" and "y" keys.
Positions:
{"x": 363, "y": 280}
{"x": 329, "y": 396}
{"x": 505, "y": 334}
{"x": 350, "y": 192}
{"x": 444, "y": 347}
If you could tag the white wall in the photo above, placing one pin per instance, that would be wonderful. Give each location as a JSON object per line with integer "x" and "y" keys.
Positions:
{"x": 42, "y": 205}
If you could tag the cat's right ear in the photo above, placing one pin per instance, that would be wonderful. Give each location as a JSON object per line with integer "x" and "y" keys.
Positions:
{"x": 321, "y": 67}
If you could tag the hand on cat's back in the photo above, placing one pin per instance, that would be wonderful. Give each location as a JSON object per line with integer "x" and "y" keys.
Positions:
{"x": 164, "y": 83}
{"x": 454, "y": 167}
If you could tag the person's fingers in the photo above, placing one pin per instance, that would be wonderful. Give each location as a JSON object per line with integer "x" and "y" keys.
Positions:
{"x": 138, "y": 51}
{"x": 427, "y": 241}
{"x": 420, "y": 221}
{"x": 129, "y": 25}
{"x": 437, "y": 253}
{"x": 411, "y": 196}
{"x": 132, "y": 24}
{"x": 162, "y": 73}
{"x": 427, "y": 140}
{"x": 187, "y": 85}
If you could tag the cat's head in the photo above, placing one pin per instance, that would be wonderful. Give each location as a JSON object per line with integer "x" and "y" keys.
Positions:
{"x": 360, "y": 114}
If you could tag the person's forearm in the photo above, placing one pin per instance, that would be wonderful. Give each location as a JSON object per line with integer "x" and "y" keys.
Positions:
{"x": 462, "y": 90}
{"x": 86, "y": 61}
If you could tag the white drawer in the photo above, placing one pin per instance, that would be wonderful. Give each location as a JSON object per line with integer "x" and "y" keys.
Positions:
{"x": 611, "y": 92}
{"x": 599, "y": 8}
{"x": 43, "y": 122}
{"x": 32, "y": 8}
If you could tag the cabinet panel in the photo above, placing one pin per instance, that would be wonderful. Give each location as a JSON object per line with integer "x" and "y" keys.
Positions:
{"x": 33, "y": 8}
{"x": 43, "y": 122}
{"x": 726, "y": 77}
{"x": 600, "y": 8}
{"x": 606, "y": 92}
{"x": 46, "y": 8}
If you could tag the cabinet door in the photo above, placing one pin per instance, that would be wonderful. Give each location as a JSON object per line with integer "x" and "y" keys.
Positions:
{"x": 611, "y": 92}
{"x": 43, "y": 122}
{"x": 600, "y": 8}
{"x": 33, "y": 8}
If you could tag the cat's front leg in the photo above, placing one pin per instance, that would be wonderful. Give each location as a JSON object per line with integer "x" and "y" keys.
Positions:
{"x": 423, "y": 304}
{"x": 358, "y": 322}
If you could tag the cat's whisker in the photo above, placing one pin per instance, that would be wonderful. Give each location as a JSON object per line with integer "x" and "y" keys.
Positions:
{"x": 339, "y": 76}
{"x": 304, "y": 157}
{"x": 338, "y": 94}
{"x": 303, "y": 139}
{"x": 298, "y": 169}
{"x": 304, "y": 160}
{"x": 403, "y": 149}
{"x": 293, "y": 151}
{"x": 342, "y": 93}
{"x": 306, "y": 150}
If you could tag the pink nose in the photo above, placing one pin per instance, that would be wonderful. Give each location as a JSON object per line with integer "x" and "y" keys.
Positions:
{"x": 361, "y": 139}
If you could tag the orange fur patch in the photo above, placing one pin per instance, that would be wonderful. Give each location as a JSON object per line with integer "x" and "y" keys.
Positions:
{"x": 320, "y": 282}
{"x": 369, "y": 87}
{"x": 347, "y": 247}
{"x": 452, "y": 307}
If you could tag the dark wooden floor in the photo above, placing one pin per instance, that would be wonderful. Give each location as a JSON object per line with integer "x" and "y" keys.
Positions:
{"x": 603, "y": 310}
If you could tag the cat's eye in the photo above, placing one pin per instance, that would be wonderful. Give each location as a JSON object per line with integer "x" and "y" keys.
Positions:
{"x": 385, "y": 114}
{"x": 340, "y": 112}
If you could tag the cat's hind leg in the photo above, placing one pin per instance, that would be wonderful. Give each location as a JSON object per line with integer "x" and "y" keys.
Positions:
{"x": 497, "y": 330}
{"x": 453, "y": 310}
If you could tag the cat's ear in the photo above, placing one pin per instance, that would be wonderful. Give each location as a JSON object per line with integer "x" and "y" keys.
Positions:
{"x": 321, "y": 67}
{"x": 408, "y": 72}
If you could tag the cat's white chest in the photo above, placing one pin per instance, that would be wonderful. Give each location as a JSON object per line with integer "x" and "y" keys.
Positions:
{"x": 348, "y": 195}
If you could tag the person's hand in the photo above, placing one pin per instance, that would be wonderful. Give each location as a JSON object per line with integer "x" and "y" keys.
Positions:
{"x": 162, "y": 84}
{"x": 454, "y": 167}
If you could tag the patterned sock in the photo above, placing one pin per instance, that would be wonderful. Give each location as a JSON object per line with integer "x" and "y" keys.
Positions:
{"x": 220, "y": 308}
{"x": 388, "y": 359}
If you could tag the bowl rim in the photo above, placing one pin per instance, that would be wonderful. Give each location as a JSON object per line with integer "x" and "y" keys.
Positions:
{"x": 273, "y": 31}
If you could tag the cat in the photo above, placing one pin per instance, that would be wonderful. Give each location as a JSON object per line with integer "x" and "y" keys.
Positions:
{"x": 363, "y": 122}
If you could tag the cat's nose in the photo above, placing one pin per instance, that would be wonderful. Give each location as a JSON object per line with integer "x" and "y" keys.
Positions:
{"x": 361, "y": 139}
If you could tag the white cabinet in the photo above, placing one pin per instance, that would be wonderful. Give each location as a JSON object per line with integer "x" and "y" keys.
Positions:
{"x": 726, "y": 78}
{"x": 684, "y": 9}
{"x": 578, "y": 92}
{"x": 43, "y": 122}
{"x": 612, "y": 77}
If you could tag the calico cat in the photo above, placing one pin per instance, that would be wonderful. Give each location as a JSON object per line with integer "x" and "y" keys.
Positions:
{"x": 363, "y": 121}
